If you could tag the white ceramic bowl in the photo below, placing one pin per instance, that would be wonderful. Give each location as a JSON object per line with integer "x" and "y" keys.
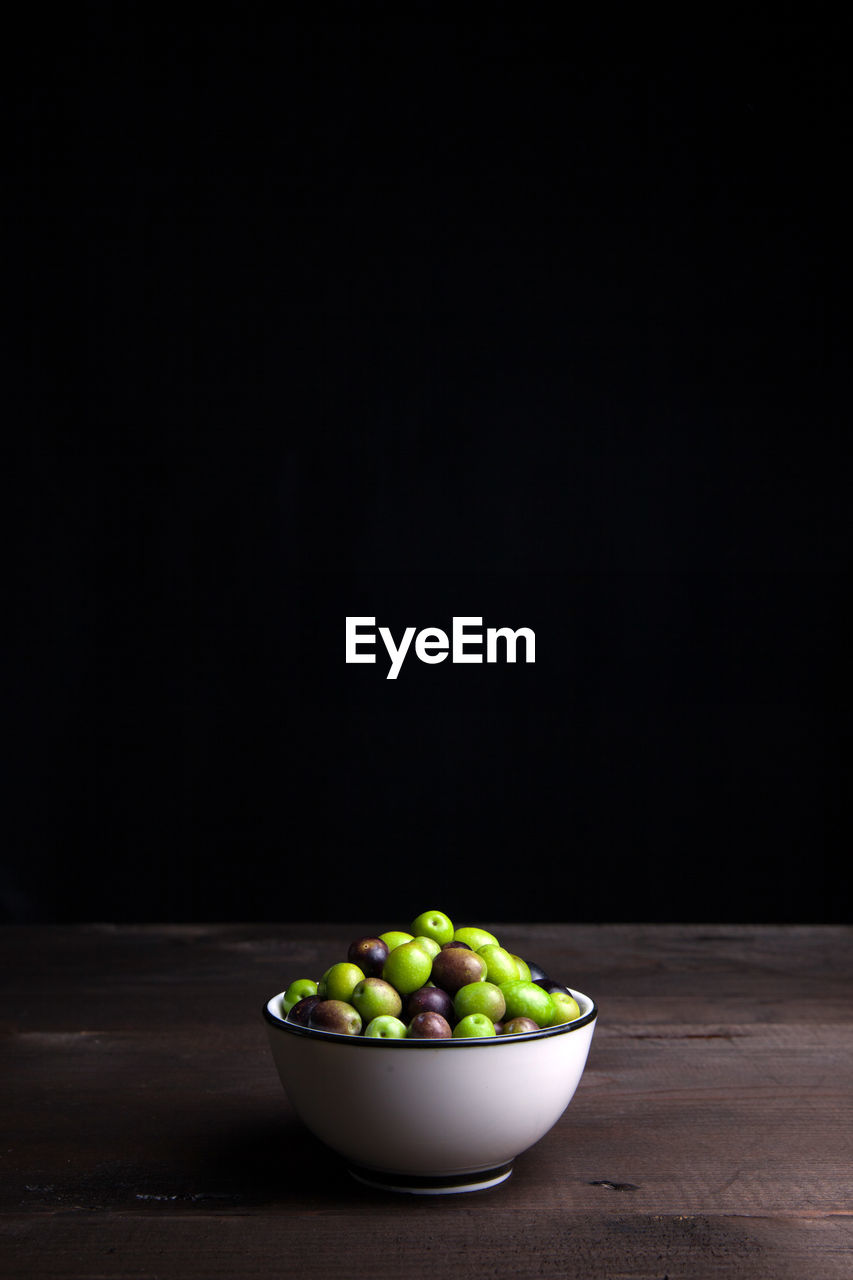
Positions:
{"x": 430, "y": 1116}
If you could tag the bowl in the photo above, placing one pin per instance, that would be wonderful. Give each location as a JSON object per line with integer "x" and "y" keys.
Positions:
{"x": 430, "y": 1116}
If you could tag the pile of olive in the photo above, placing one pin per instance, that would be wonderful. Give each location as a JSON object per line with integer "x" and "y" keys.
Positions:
{"x": 436, "y": 982}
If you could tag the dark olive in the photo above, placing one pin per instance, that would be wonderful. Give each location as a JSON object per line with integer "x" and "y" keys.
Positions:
{"x": 335, "y": 1015}
{"x": 429, "y": 1000}
{"x": 453, "y": 968}
{"x": 369, "y": 954}
{"x": 301, "y": 1011}
{"x": 430, "y": 1026}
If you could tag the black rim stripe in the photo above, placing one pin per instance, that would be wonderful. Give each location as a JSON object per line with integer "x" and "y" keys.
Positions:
{"x": 427, "y": 1182}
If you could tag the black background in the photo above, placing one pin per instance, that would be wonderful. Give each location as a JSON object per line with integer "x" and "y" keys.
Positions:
{"x": 380, "y": 311}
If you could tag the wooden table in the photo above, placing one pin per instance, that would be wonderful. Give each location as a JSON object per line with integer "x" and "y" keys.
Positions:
{"x": 145, "y": 1132}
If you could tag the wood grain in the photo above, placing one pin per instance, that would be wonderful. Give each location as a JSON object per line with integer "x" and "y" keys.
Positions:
{"x": 144, "y": 1131}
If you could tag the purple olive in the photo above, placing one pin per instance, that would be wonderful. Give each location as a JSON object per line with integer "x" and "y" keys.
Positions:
{"x": 369, "y": 954}
{"x": 301, "y": 1011}
{"x": 335, "y": 1015}
{"x": 429, "y": 1000}
{"x": 518, "y": 1026}
{"x": 430, "y": 1026}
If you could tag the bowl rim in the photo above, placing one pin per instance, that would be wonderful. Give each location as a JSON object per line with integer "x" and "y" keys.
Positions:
{"x": 462, "y": 1042}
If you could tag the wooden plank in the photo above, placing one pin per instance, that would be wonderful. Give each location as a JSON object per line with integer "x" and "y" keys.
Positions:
{"x": 140, "y": 1113}
{"x": 743, "y": 972}
{"x": 692, "y": 1125}
{"x": 420, "y": 1238}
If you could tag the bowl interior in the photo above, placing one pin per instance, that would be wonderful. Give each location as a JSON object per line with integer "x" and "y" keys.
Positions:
{"x": 275, "y": 1016}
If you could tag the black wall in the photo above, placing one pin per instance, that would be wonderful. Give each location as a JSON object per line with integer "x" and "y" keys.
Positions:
{"x": 387, "y": 314}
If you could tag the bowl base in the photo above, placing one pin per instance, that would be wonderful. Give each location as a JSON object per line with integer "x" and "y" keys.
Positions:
{"x": 431, "y": 1184}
